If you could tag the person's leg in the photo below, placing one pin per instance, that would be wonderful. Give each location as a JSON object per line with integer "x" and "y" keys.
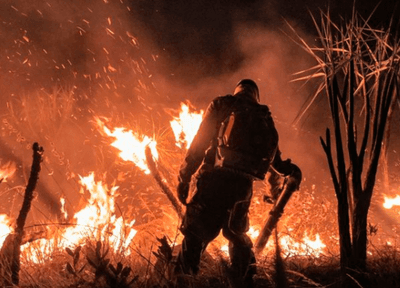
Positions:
{"x": 198, "y": 232}
{"x": 241, "y": 254}
{"x": 201, "y": 224}
{"x": 190, "y": 253}
{"x": 240, "y": 245}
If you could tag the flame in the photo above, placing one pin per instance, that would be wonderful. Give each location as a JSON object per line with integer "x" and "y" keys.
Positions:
{"x": 253, "y": 233}
{"x": 96, "y": 220}
{"x": 186, "y": 125}
{"x": 7, "y": 170}
{"x": 63, "y": 211}
{"x": 98, "y": 216}
{"x": 305, "y": 247}
{"x": 390, "y": 202}
{"x": 225, "y": 249}
{"x": 5, "y": 228}
{"x": 289, "y": 246}
{"x": 131, "y": 144}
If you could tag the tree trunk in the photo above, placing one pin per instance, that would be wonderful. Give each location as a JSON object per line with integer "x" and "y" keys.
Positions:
{"x": 359, "y": 255}
{"x": 344, "y": 232}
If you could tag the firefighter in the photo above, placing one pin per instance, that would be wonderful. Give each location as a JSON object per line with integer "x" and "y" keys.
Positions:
{"x": 222, "y": 196}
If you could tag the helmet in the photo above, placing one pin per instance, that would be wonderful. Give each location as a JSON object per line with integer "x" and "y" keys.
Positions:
{"x": 249, "y": 86}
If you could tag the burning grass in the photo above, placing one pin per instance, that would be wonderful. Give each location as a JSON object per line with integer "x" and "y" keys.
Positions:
{"x": 103, "y": 224}
{"x": 129, "y": 236}
{"x": 96, "y": 265}
{"x": 109, "y": 236}
{"x": 105, "y": 231}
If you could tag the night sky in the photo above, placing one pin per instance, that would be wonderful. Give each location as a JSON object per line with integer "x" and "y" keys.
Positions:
{"x": 207, "y": 31}
{"x": 193, "y": 39}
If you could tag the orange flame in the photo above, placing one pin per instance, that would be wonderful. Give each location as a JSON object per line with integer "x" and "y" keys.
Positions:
{"x": 5, "y": 228}
{"x": 96, "y": 220}
{"x": 63, "y": 211}
{"x": 306, "y": 247}
{"x": 98, "y": 216}
{"x": 253, "y": 233}
{"x": 131, "y": 145}
{"x": 390, "y": 202}
{"x": 186, "y": 125}
{"x": 7, "y": 170}
{"x": 289, "y": 246}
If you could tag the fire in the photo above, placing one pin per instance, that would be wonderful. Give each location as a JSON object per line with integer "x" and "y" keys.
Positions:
{"x": 305, "y": 247}
{"x": 7, "y": 170}
{"x": 390, "y": 202}
{"x": 5, "y": 228}
{"x": 98, "y": 216}
{"x": 63, "y": 211}
{"x": 186, "y": 125}
{"x": 253, "y": 233}
{"x": 289, "y": 246}
{"x": 131, "y": 144}
{"x": 97, "y": 220}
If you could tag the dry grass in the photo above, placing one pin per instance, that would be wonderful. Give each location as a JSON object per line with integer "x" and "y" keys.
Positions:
{"x": 140, "y": 271}
{"x": 140, "y": 198}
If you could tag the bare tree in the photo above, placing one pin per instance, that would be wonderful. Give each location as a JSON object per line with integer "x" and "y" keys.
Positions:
{"x": 359, "y": 66}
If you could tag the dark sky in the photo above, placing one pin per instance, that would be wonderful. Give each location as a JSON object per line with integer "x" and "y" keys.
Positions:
{"x": 194, "y": 39}
{"x": 206, "y": 31}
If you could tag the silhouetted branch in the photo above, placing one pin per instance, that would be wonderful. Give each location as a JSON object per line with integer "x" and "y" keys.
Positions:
{"x": 161, "y": 182}
{"x": 23, "y": 214}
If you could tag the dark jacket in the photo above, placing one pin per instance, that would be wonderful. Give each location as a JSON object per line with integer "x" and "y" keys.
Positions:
{"x": 203, "y": 148}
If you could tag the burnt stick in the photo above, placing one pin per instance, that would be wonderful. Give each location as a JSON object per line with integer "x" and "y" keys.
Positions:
{"x": 23, "y": 214}
{"x": 162, "y": 183}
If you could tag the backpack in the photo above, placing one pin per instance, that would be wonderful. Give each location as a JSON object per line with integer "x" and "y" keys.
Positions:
{"x": 247, "y": 140}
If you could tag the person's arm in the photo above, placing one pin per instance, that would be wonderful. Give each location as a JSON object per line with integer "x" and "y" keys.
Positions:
{"x": 284, "y": 168}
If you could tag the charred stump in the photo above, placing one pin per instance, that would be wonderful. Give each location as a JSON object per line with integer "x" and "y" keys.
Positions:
{"x": 10, "y": 252}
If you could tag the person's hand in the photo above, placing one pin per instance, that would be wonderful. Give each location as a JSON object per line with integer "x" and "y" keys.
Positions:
{"x": 183, "y": 192}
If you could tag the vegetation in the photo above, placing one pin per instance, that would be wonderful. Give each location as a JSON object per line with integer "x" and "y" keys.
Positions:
{"x": 96, "y": 266}
{"x": 359, "y": 66}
